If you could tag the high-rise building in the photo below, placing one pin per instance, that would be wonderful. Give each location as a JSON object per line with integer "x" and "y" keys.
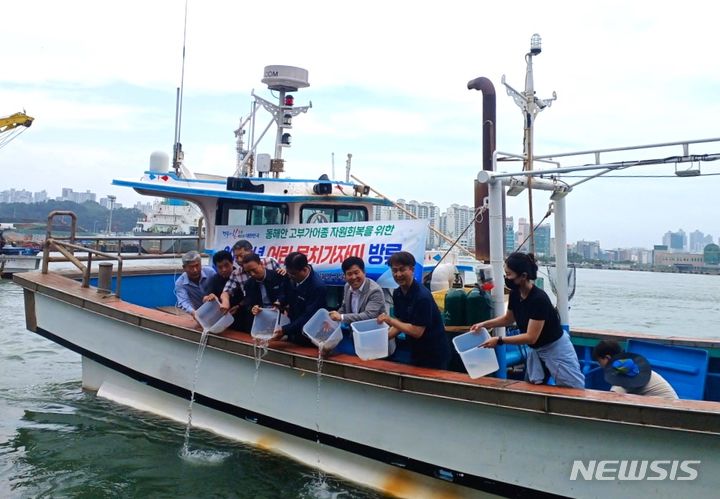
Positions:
{"x": 589, "y": 250}
{"x": 76, "y": 197}
{"x": 542, "y": 240}
{"x": 424, "y": 210}
{"x": 457, "y": 219}
{"x": 697, "y": 241}
{"x": 509, "y": 235}
{"x": 522, "y": 234}
{"x": 675, "y": 241}
{"x": 40, "y": 197}
{"x": 15, "y": 196}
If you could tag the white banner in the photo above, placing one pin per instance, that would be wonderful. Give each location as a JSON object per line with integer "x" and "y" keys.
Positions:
{"x": 327, "y": 245}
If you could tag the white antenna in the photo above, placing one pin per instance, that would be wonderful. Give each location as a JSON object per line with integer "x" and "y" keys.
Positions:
{"x": 178, "y": 154}
{"x": 347, "y": 168}
{"x": 333, "y": 166}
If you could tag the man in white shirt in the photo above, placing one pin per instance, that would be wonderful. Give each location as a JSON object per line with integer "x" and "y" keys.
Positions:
{"x": 630, "y": 373}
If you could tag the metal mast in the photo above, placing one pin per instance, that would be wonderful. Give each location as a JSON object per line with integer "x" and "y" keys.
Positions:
{"x": 530, "y": 106}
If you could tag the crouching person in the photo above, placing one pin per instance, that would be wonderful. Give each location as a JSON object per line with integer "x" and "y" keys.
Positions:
{"x": 416, "y": 315}
{"x": 627, "y": 372}
{"x": 223, "y": 262}
{"x": 191, "y": 285}
{"x": 363, "y": 298}
{"x": 265, "y": 288}
{"x": 551, "y": 352}
{"x": 305, "y": 295}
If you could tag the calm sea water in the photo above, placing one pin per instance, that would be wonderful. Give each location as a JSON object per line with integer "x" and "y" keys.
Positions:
{"x": 649, "y": 302}
{"x": 58, "y": 441}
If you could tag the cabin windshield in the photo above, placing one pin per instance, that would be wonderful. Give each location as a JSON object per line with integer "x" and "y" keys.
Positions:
{"x": 326, "y": 214}
{"x": 232, "y": 212}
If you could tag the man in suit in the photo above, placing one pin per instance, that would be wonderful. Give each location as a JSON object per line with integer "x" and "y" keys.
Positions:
{"x": 362, "y": 298}
{"x": 265, "y": 288}
{"x": 236, "y": 283}
{"x": 306, "y": 295}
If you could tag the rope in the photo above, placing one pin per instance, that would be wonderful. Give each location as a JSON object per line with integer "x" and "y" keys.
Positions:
{"x": 549, "y": 212}
{"x": 11, "y": 136}
{"x": 571, "y": 279}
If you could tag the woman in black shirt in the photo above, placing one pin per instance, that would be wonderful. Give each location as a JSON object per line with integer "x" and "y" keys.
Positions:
{"x": 531, "y": 309}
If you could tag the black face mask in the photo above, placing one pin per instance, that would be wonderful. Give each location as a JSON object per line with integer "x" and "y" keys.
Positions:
{"x": 511, "y": 284}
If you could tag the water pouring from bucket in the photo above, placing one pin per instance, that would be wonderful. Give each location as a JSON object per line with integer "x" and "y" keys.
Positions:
{"x": 212, "y": 320}
{"x": 324, "y": 332}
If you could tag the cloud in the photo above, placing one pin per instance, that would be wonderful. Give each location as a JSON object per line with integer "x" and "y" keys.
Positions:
{"x": 60, "y": 109}
{"x": 388, "y": 83}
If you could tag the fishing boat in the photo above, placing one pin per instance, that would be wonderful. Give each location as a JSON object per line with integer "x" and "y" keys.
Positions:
{"x": 18, "y": 259}
{"x": 169, "y": 217}
{"x": 406, "y": 431}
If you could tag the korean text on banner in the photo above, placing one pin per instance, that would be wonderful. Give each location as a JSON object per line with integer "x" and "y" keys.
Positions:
{"x": 327, "y": 245}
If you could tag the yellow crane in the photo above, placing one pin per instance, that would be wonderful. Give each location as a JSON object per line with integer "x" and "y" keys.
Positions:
{"x": 13, "y": 122}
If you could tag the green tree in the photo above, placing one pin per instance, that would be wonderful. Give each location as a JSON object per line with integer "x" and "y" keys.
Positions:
{"x": 91, "y": 216}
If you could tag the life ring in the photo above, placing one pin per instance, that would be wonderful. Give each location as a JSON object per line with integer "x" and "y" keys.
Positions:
{"x": 318, "y": 217}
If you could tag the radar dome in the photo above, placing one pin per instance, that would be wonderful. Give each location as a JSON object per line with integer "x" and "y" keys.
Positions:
{"x": 287, "y": 78}
{"x": 159, "y": 162}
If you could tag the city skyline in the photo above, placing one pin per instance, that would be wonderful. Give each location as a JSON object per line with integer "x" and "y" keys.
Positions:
{"x": 21, "y": 195}
{"x": 450, "y": 221}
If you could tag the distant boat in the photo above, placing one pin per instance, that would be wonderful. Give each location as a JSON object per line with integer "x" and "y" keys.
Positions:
{"x": 169, "y": 217}
{"x": 15, "y": 259}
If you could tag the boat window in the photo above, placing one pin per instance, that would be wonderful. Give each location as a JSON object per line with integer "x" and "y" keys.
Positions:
{"x": 266, "y": 215}
{"x": 324, "y": 214}
{"x": 351, "y": 215}
{"x": 237, "y": 212}
{"x": 317, "y": 215}
{"x": 237, "y": 216}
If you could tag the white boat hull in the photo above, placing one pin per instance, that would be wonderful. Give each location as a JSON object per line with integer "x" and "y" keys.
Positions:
{"x": 370, "y": 434}
{"x": 11, "y": 264}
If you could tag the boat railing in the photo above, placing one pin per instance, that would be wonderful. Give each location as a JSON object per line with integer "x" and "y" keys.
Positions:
{"x": 67, "y": 245}
{"x": 65, "y": 248}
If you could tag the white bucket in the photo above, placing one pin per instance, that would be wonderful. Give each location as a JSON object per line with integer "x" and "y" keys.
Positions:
{"x": 477, "y": 361}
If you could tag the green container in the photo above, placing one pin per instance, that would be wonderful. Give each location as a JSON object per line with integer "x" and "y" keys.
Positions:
{"x": 455, "y": 307}
{"x": 478, "y": 306}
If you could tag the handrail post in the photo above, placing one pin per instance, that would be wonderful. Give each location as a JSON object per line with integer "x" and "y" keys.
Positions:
{"x": 46, "y": 255}
{"x": 104, "y": 277}
{"x": 86, "y": 274}
{"x": 119, "y": 278}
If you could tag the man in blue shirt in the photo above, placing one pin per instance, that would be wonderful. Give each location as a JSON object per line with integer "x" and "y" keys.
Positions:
{"x": 305, "y": 296}
{"x": 191, "y": 286}
{"x": 416, "y": 315}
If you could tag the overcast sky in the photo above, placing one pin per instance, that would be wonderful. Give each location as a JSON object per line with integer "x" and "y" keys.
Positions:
{"x": 388, "y": 84}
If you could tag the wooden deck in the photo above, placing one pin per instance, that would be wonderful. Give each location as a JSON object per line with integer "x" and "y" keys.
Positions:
{"x": 682, "y": 415}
